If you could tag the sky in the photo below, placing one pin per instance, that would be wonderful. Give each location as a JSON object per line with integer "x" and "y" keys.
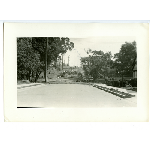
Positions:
{"x": 81, "y": 45}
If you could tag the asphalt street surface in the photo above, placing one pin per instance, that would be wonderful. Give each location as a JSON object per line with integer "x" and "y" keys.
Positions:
{"x": 70, "y": 96}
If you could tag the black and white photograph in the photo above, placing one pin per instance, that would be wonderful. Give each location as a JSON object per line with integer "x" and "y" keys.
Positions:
{"x": 95, "y": 72}
{"x": 75, "y": 75}
{"x": 76, "y": 71}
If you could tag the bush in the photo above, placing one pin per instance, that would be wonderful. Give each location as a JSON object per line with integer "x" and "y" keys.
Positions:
{"x": 116, "y": 83}
{"x": 109, "y": 83}
{"x": 100, "y": 81}
{"x": 133, "y": 82}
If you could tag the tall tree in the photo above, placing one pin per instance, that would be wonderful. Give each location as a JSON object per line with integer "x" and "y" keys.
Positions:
{"x": 55, "y": 47}
{"x": 102, "y": 61}
{"x": 28, "y": 60}
{"x": 97, "y": 64}
{"x": 125, "y": 58}
{"x": 31, "y": 53}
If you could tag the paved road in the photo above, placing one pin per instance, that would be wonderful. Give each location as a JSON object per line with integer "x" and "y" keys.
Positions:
{"x": 70, "y": 95}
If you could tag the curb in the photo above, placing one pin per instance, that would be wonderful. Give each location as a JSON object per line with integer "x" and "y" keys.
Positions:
{"x": 69, "y": 83}
{"x": 27, "y": 85}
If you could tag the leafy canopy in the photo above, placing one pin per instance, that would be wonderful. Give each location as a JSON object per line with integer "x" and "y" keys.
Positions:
{"x": 31, "y": 53}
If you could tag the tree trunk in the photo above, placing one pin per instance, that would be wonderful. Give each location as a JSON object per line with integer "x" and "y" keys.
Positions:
{"x": 45, "y": 72}
{"x": 122, "y": 79}
{"x": 37, "y": 76}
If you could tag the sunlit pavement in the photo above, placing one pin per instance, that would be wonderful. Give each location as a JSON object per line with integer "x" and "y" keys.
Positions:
{"x": 71, "y": 96}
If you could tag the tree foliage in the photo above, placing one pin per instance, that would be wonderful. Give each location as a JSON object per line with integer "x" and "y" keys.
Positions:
{"x": 55, "y": 47}
{"x": 28, "y": 60}
{"x": 125, "y": 58}
{"x": 100, "y": 64}
{"x": 31, "y": 54}
{"x": 96, "y": 64}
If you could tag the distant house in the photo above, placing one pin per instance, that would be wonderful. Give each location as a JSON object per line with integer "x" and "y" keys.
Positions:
{"x": 135, "y": 68}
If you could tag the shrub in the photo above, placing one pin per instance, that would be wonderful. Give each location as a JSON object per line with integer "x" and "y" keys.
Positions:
{"x": 133, "y": 82}
{"x": 116, "y": 83}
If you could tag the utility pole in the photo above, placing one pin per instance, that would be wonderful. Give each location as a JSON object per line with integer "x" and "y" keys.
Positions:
{"x": 46, "y": 60}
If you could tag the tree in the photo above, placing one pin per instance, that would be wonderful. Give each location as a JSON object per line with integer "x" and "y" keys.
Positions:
{"x": 56, "y": 46}
{"x": 28, "y": 62}
{"x": 97, "y": 64}
{"x": 102, "y": 61}
{"x": 86, "y": 65}
{"x": 124, "y": 59}
{"x": 53, "y": 46}
{"x": 31, "y": 54}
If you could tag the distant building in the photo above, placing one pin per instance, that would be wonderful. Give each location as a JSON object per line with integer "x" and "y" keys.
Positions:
{"x": 135, "y": 68}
